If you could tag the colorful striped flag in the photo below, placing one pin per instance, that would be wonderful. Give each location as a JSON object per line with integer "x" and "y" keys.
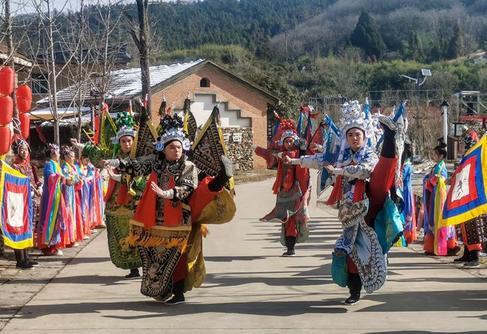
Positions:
{"x": 467, "y": 196}
{"x": 16, "y": 207}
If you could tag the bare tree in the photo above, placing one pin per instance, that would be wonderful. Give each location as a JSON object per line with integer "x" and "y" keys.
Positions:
{"x": 142, "y": 42}
{"x": 11, "y": 58}
{"x": 85, "y": 66}
{"x": 48, "y": 21}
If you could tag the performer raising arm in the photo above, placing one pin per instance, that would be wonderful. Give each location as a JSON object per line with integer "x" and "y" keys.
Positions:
{"x": 361, "y": 187}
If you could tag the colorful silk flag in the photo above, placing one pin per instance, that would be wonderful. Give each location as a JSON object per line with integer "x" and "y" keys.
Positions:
{"x": 467, "y": 196}
{"x": 16, "y": 208}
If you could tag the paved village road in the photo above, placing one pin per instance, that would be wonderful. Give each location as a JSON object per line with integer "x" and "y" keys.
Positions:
{"x": 250, "y": 288}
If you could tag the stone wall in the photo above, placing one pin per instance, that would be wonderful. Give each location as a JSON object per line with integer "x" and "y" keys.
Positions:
{"x": 239, "y": 144}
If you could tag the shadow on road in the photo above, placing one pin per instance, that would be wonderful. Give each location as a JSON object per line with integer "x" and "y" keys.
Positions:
{"x": 421, "y": 332}
{"x": 82, "y": 279}
{"x": 270, "y": 308}
{"x": 428, "y": 301}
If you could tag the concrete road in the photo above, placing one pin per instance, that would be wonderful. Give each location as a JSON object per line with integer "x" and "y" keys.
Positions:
{"x": 250, "y": 288}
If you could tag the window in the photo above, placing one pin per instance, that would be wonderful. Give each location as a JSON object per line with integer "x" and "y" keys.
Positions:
{"x": 205, "y": 82}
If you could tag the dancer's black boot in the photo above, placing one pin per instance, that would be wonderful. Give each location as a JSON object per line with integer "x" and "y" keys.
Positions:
{"x": 21, "y": 258}
{"x": 290, "y": 242}
{"x": 226, "y": 172}
{"x": 388, "y": 149}
{"x": 473, "y": 261}
{"x": 134, "y": 273}
{"x": 354, "y": 286}
{"x": 465, "y": 257}
{"x": 178, "y": 293}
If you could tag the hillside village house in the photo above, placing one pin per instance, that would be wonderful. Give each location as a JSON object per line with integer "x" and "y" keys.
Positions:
{"x": 244, "y": 107}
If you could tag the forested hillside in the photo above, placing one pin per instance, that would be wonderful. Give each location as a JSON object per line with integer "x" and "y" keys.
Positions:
{"x": 423, "y": 30}
{"x": 300, "y": 48}
{"x": 249, "y": 23}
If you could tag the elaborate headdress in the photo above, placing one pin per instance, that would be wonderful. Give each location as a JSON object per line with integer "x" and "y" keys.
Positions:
{"x": 171, "y": 128}
{"x": 287, "y": 129}
{"x": 65, "y": 151}
{"x": 125, "y": 124}
{"x": 354, "y": 117}
{"x": 17, "y": 143}
{"x": 51, "y": 148}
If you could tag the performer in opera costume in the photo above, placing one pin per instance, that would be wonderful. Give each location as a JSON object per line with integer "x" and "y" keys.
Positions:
{"x": 472, "y": 232}
{"x": 168, "y": 223}
{"x": 404, "y": 197}
{"x": 54, "y": 217}
{"x": 122, "y": 193}
{"x": 120, "y": 201}
{"x": 292, "y": 188}
{"x": 438, "y": 240}
{"x": 361, "y": 189}
{"x": 21, "y": 162}
{"x": 71, "y": 234}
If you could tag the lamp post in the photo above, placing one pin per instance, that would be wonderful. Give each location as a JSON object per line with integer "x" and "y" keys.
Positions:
{"x": 444, "y": 111}
{"x": 418, "y": 82}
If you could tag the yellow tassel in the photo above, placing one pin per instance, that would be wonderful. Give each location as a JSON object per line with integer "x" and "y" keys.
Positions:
{"x": 204, "y": 231}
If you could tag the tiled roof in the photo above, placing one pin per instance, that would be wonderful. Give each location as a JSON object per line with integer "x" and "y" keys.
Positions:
{"x": 19, "y": 58}
{"x": 125, "y": 83}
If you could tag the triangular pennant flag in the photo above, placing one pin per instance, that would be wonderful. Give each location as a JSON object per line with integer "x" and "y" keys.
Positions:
{"x": 209, "y": 146}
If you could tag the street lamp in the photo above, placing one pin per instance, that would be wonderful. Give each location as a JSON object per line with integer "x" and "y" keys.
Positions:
{"x": 425, "y": 72}
{"x": 444, "y": 111}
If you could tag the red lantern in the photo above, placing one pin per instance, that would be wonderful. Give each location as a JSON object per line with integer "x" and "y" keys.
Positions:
{"x": 6, "y": 109}
{"x": 25, "y": 125}
{"x": 23, "y": 96}
{"x": 7, "y": 80}
{"x": 5, "y": 139}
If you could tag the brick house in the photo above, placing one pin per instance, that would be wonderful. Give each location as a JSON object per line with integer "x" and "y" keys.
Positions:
{"x": 244, "y": 107}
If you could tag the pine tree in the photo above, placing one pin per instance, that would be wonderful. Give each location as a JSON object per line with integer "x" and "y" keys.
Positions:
{"x": 415, "y": 47}
{"x": 456, "y": 48}
{"x": 366, "y": 36}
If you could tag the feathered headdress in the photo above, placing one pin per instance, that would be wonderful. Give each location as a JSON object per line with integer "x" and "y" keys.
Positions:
{"x": 171, "y": 128}
{"x": 125, "y": 124}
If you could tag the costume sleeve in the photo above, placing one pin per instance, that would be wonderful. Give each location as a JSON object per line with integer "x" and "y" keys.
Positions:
{"x": 267, "y": 154}
{"x": 65, "y": 170}
{"x": 311, "y": 161}
{"x": 187, "y": 183}
{"x": 438, "y": 172}
{"x": 36, "y": 177}
{"x": 134, "y": 168}
{"x": 361, "y": 172}
{"x": 49, "y": 170}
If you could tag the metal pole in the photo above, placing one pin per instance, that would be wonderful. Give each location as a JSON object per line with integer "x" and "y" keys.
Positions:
{"x": 444, "y": 111}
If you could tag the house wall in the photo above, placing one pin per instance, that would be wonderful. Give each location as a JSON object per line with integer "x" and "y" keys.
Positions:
{"x": 252, "y": 104}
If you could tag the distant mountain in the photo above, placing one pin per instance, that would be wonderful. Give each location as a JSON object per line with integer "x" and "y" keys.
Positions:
{"x": 429, "y": 22}
{"x": 285, "y": 30}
